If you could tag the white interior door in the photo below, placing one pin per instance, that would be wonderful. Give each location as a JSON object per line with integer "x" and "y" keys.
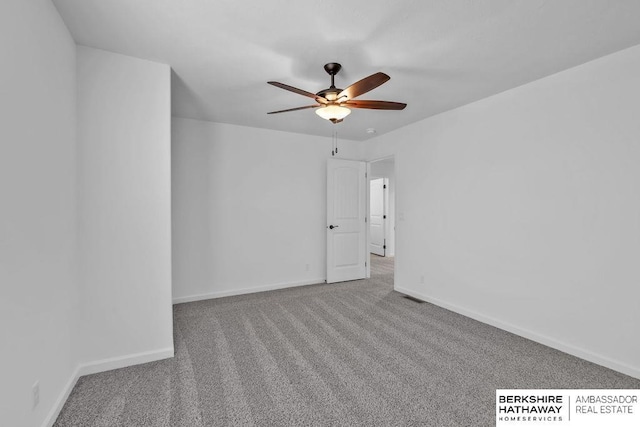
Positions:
{"x": 377, "y": 216}
{"x": 346, "y": 220}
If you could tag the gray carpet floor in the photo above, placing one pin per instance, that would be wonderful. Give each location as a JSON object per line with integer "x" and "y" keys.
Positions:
{"x": 354, "y": 353}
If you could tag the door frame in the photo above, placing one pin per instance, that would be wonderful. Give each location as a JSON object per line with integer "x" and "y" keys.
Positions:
{"x": 385, "y": 208}
{"x": 395, "y": 205}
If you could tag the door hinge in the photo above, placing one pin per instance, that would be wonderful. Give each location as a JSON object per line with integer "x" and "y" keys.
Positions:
{"x": 384, "y": 186}
{"x": 384, "y": 217}
{"x": 365, "y": 219}
{"x": 365, "y": 263}
{"x": 384, "y": 246}
{"x": 365, "y": 174}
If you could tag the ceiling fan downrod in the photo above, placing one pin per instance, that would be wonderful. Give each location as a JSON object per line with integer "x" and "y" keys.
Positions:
{"x": 332, "y": 68}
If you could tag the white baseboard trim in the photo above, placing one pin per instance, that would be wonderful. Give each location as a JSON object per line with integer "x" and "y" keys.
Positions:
{"x": 62, "y": 398}
{"x": 124, "y": 361}
{"x": 243, "y": 291}
{"x": 101, "y": 366}
{"x": 533, "y": 336}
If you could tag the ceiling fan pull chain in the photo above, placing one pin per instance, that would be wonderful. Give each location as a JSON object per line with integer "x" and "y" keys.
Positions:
{"x": 336, "y": 133}
{"x": 333, "y": 144}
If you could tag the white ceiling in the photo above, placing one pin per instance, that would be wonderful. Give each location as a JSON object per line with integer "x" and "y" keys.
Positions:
{"x": 440, "y": 54}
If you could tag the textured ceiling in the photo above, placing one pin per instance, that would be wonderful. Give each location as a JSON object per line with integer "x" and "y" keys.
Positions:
{"x": 440, "y": 54}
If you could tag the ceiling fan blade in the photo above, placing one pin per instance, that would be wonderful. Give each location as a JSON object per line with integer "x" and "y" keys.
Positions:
{"x": 298, "y": 91}
{"x": 375, "y": 105}
{"x": 364, "y": 85}
{"x": 294, "y": 109}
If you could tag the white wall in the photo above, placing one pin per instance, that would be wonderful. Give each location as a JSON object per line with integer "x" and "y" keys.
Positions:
{"x": 124, "y": 131}
{"x": 38, "y": 288}
{"x": 249, "y": 208}
{"x": 522, "y": 209}
{"x": 386, "y": 169}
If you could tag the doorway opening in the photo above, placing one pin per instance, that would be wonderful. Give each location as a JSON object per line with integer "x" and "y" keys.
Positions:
{"x": 382, "y": 218}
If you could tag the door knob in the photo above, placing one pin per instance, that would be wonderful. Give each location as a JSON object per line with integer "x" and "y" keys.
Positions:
{"x": 331, "y": 227}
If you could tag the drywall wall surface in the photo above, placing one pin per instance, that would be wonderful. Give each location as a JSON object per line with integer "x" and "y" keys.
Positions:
{"x": 522, "y": 209}
{"x": 38, "y": 287}
{"x": 249, "y": 208}
{"x": 124, "y": 138}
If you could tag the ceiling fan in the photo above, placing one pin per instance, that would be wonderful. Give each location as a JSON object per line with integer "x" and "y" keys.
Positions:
{"x": 334, "y": 104}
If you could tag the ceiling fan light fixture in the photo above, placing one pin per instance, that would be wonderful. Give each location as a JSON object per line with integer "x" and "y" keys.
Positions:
{"x": 333, "y": 112}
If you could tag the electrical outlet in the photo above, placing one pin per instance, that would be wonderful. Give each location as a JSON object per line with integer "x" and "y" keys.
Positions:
{"x": 422, "y": 279}
{"x": 35, "y": 394}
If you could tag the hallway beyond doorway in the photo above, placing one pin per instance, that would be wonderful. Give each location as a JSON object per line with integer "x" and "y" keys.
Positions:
{"x": 382, "y": 268}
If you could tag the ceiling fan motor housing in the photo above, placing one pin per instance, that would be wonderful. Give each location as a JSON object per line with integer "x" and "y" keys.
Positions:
{"x": 330, "y": 94}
